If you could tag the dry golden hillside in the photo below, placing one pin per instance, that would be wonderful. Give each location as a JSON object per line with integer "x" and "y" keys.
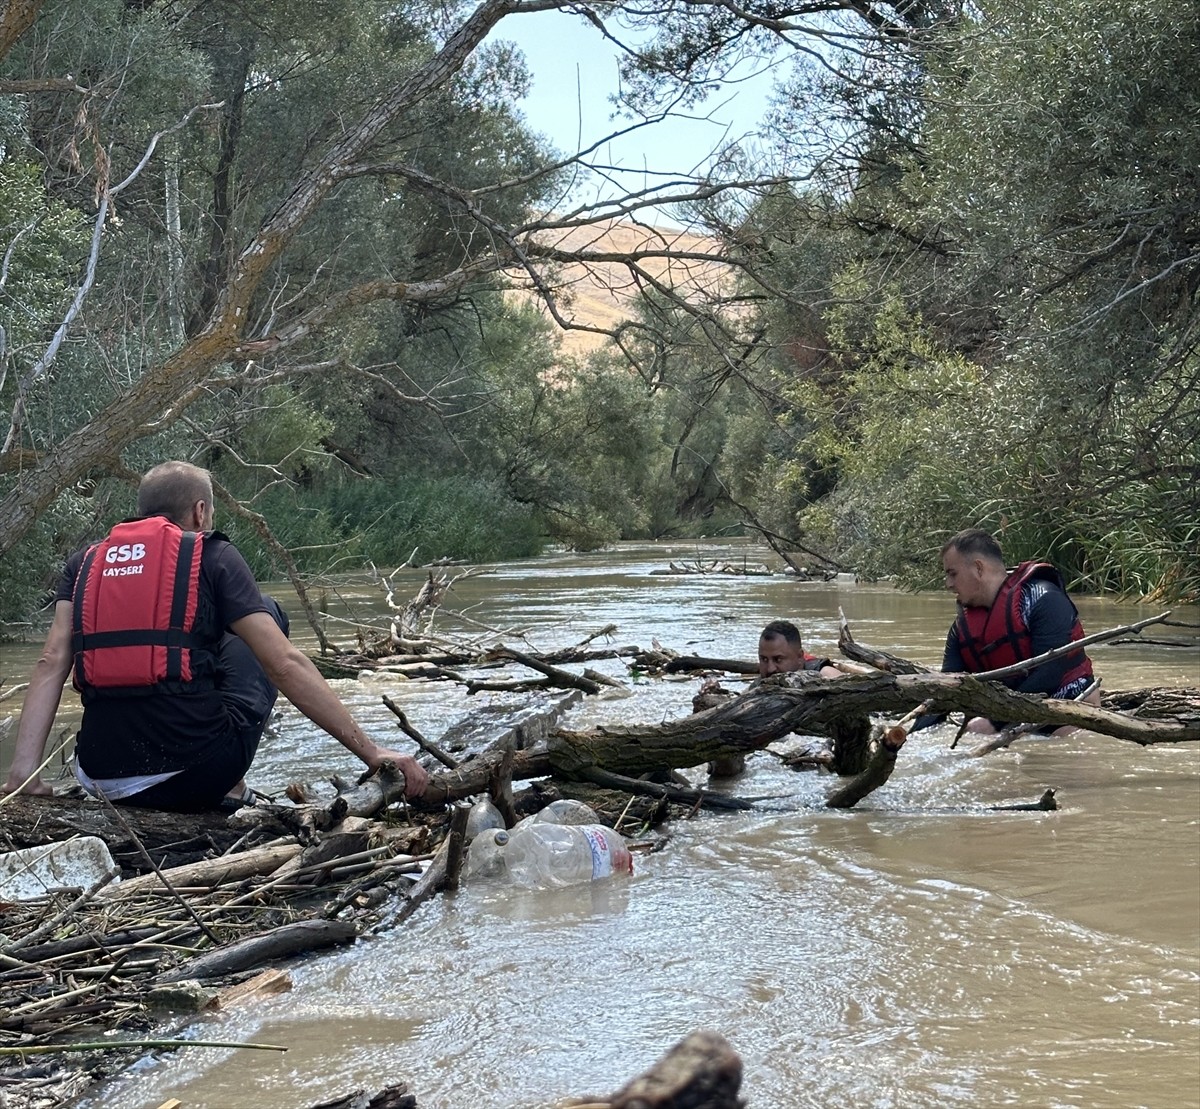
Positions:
{"x": 602, "y": 294}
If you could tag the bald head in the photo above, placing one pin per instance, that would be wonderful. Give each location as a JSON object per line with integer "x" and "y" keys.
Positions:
{"x": 173, "y": 489}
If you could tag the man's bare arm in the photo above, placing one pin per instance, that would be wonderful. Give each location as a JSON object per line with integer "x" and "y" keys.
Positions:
{"x": 42, "y": 699}
{"x": 301, "y": 683}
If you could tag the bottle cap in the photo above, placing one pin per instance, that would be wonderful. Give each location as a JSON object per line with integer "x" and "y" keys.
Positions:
{"x": 500, "y": 838}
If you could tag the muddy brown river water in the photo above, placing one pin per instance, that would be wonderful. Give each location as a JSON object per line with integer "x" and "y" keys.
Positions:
{"x": 918, "y": 950}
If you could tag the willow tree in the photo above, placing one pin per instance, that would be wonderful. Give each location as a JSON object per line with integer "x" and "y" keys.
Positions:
{"x": 282, "y": 192}
{"x": 1012, "y": 328}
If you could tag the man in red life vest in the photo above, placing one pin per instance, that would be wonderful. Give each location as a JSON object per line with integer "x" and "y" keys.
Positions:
{"x": 1006, "y": 617}
{"x": 178, "y": 657}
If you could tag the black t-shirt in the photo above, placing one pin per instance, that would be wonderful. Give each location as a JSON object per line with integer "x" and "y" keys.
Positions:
{"x": 156, "y": 733}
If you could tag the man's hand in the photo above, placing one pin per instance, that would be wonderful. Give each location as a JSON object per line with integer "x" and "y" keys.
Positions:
{"x": 415, "y": 776}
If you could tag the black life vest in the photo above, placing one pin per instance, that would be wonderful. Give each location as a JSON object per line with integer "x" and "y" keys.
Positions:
{"x": 134, "y": 611}
{"x": 992, "y": 638}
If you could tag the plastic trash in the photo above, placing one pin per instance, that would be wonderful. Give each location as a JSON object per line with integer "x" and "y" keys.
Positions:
{"x": 482, "y": 817}
{"x": 540, "y": 855}
{"x": 566, "y": 811}
{"x": 485, "y": 855}
{"x": 72, "y": 864}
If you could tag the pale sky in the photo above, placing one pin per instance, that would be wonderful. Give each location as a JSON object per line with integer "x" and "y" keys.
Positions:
{"x": 574, "y": 72}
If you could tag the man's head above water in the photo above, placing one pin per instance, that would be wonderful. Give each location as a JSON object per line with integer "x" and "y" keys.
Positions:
{"x": 780, "y": 650}
{"x": 974, "y": 568}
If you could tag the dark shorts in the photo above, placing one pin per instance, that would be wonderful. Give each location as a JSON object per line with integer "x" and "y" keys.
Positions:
{"x": 248, "y": 698}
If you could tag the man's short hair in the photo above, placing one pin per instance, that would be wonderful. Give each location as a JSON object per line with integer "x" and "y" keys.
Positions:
{"x": 782, "y": 629}
{"x": 975, "y": 541}
{"x": 171, "y": 488}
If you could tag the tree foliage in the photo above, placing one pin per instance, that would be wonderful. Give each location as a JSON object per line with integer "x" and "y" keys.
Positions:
{"x": 285, "y": 240}
{"x": 1011, "y": 321}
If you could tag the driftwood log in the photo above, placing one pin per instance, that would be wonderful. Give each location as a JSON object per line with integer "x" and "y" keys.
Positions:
{"x": 278, "y": 943}
{"x": 171, "y": 838}
{"x": 700, "y": 1072}
{"x": 234, "y": 867}
{"x": 785, "y": 703}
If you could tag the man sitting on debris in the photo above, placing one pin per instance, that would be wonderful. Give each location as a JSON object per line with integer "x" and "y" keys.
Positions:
{"x": 1005, "y": 617}
{"x": 178, "y": 658}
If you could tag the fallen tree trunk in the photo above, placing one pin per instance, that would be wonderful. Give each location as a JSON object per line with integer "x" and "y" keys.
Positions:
{"x": 785, "y": 703}
{"x": 807, "y": 704}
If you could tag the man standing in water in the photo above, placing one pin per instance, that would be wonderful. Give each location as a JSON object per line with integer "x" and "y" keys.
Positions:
{"x": 1005, "y": 617}
{"x": 178, "y": 658}
{"x": 780, "y": 651}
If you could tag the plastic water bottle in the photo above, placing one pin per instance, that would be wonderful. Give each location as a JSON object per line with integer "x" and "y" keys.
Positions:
{"x": 565, "y": 811}
{"x": 485, "y": 856}
{"x": 482, "y": 817}
{"x": 541, "y": 855}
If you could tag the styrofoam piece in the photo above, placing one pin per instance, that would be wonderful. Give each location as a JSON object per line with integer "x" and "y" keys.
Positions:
{"x": 74, "y": 863}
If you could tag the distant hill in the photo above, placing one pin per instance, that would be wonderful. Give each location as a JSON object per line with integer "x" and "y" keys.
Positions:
{"x": 602, "y": 294}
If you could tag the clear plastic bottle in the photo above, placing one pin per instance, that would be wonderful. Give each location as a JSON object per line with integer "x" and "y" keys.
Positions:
{"x": 541, "y": 855}
{"x": 482, "y": 817}
{"x": 565, "y": 811}
{"x": 486, "y": 855}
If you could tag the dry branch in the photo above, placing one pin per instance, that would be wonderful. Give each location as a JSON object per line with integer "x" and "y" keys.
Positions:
{"x": 1069, "y": 648}
{"x": 872, "y": 656}
{"x": 211, "y": 872}
{"x": 559, "y": 677}
{"x": 414, "y": 733}
{"x": 883, "y": 749}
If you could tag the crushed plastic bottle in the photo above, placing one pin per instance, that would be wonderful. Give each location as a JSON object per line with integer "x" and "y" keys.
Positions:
{"x": 483, "y": 817}
{"x": 485, "y": 856}
{"x": 565, "y": 811}
{"x": 541, "y": 855}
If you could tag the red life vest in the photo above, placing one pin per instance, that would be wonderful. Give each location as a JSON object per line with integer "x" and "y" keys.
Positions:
{"x": 992, "y": 638}
{"x": 134, "y": 609}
